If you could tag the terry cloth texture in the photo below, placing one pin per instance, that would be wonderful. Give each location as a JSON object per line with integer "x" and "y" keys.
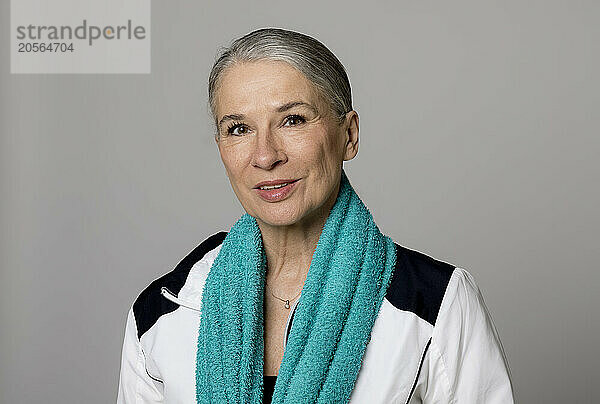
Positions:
{"x": 347, "y": 280}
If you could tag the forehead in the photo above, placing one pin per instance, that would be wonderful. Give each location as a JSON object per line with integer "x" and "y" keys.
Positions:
{"x": 246, "y": 86}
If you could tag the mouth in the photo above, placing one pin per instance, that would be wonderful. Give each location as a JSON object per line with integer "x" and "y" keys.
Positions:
{"x": 274, "y": 191}
{"x": 265, "y": 185}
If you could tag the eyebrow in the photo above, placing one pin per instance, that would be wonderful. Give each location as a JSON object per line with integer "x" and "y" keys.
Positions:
{"x": 285, "y": 107}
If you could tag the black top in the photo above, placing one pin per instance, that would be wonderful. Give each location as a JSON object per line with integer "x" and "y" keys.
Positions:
{"x": 269, "y": 387}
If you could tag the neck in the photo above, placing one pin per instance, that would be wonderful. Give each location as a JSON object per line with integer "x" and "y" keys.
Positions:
{"x": 289, "y": 249}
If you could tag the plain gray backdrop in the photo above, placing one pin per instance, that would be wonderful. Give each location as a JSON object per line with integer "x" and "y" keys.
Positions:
{"x": 479, "y": 130}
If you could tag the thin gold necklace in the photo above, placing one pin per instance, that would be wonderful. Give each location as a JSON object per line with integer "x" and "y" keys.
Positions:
{"x": 286, "y": 301}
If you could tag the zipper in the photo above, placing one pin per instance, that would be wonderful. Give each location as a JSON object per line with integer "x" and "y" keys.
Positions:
{"x": 288, "y": 323}
{"x": 172, "y": 297}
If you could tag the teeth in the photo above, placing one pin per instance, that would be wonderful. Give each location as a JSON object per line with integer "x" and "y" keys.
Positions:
{"x": 274, "y": 186}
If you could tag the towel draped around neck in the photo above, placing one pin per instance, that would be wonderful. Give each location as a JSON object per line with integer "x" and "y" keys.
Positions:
{"x": 348, "y": 276}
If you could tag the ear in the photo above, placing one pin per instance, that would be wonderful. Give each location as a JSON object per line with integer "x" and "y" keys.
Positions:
{"x": 350, "y": 126}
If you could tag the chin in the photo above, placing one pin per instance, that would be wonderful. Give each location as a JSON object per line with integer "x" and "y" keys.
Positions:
{"x": 278, "y": 217}
{"x": 277, "y": 220}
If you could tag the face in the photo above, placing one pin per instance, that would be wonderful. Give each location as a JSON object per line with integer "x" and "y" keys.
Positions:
{"x": 274, "y": 127}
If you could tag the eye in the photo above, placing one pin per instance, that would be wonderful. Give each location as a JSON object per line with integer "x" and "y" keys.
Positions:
{"x": 239, "y": 127}
{"x": 294, "y": 120}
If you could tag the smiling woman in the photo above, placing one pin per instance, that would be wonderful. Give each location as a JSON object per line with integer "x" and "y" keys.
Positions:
{"x": 304, "y": 299}
{"x": 276, "y": 129}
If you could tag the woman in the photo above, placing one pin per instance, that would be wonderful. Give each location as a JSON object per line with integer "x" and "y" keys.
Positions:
{"x": 242, "y": 318}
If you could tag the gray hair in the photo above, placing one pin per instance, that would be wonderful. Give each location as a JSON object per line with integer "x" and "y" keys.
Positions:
{"x": 313, "y": 59}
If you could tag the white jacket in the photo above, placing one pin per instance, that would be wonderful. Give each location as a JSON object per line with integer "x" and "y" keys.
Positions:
{"x": 432, "y": 342}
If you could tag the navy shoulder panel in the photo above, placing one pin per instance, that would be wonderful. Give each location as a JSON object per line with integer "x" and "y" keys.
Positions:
{"x": 418, "y": 283}
{"x": 150, "y": 305}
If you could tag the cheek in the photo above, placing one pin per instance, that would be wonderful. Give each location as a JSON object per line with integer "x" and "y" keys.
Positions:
{"x": 328, "y": 152}
{"x": 320, "y": 153}
{"x": 233, "y": 159}
{"x": 310, "y": 152}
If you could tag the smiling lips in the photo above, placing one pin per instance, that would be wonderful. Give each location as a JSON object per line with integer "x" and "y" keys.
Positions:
{"x": 274, "y": 191}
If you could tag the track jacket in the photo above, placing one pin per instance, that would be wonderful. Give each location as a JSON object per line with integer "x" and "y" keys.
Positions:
{"x": 432, "y": 342}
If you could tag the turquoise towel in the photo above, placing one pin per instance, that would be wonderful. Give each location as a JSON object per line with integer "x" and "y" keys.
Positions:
{"x": 345, "y": 285}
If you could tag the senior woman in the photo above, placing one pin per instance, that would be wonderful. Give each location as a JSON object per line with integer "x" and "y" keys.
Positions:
{"x": 304, "y": 300}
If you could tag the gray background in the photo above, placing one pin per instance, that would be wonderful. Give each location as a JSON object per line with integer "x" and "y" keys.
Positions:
{"x": 479, "y": 138}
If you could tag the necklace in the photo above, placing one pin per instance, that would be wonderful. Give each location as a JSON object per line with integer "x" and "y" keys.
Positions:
{"x": 286, "y": 301}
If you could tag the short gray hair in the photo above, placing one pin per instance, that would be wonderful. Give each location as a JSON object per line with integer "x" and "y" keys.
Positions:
{"x": 313, "y": 59}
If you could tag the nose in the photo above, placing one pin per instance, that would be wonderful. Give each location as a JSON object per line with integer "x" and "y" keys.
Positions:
{"x": 267, "y": 151}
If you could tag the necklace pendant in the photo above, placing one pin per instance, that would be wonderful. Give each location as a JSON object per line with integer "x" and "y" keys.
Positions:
{"x": 287, "y": 304}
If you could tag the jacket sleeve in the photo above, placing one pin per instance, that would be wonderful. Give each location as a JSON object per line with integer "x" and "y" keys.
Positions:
{"x": 467, "y": 363}
{"x": 135, "y": 384}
